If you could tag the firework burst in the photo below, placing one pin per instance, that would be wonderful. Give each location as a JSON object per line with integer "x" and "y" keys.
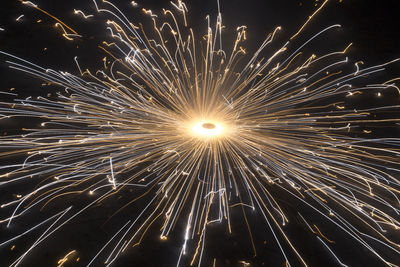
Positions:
{"x": 189, "y": 132}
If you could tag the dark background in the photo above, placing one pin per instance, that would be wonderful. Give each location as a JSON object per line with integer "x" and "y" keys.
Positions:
{"x": 372, "y": 26}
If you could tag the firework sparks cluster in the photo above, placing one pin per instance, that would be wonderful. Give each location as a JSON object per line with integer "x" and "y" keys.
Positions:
{"x": 198, "y": 130}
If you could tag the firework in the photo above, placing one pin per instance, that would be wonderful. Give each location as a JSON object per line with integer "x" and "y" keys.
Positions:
{"x": 186, "y": 132}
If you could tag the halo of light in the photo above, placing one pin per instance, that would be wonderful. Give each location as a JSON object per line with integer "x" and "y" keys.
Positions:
{"x": 208, "y": 128}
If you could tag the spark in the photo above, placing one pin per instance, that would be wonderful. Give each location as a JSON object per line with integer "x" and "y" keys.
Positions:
{"x": 80, "y": 12}
{"x": 20, "y": 17}
{"x": 59, "y": 22}
{"x": 309, "y": 19}
{"x": 66, "y": 35}
{"x": 65, "y": 258}
{"x": 330, "y": 250}
{"x": 191, "y": 129}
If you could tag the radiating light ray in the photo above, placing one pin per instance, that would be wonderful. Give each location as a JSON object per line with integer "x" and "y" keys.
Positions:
{"x": 193, "y": 133}
{"x": 59, "y": 22}
{"x": 333, "y": 254}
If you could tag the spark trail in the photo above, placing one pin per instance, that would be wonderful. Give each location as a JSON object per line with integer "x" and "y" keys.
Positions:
{"x": 196, "y": 131}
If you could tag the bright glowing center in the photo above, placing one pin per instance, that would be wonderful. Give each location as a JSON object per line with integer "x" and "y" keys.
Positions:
{"x": 208, "y": 125}
{"x": 207, "y": 129}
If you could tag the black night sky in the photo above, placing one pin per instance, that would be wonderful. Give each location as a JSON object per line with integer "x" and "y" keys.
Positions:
{"x": 371, "y": 25}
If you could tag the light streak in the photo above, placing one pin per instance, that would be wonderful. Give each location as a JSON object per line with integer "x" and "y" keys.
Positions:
{"x": 309, "y": 19}
{"x": 80, "y": 12}
{"x": 59, "y": 22}
{"x": 65, "y": 258}
{"x": 193, "y": 133}
{"x": 333, "y": 254}
{"x": 20, "y": 17}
